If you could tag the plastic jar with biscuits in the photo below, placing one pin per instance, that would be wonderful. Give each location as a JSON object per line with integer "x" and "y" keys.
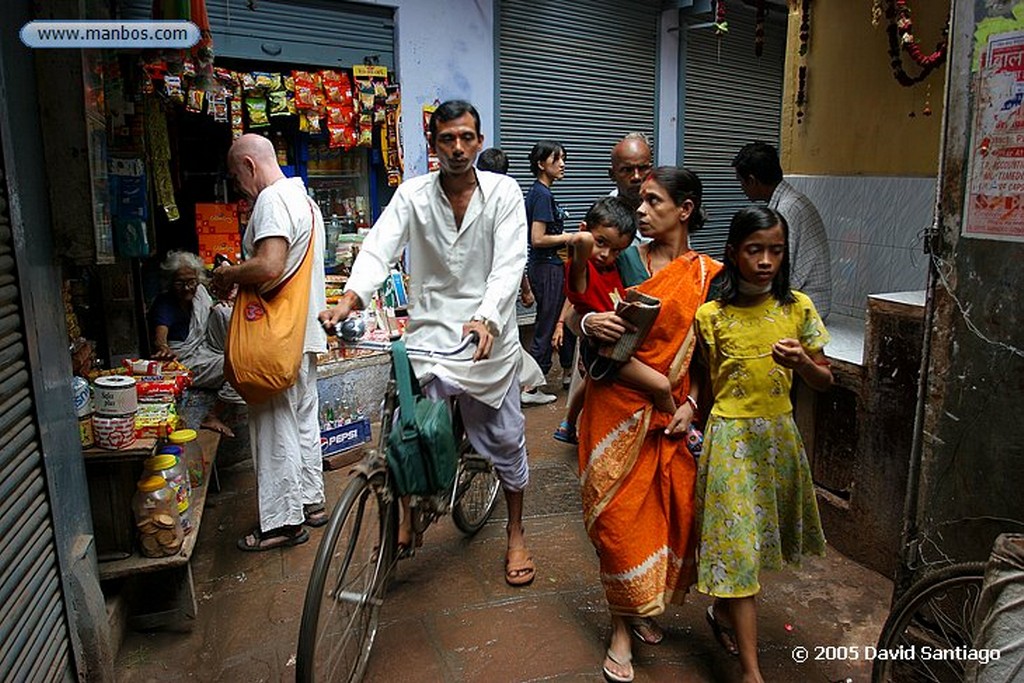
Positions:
{"x": 155, "y": 506}
{"x": 168, "y": 466}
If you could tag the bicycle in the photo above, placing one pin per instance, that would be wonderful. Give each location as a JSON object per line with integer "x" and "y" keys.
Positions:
{"x": 358, "y": 551}
{"x": 936, "y": 612}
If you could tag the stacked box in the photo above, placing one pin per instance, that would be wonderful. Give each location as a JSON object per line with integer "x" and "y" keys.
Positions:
{"x": 218, "y": 230}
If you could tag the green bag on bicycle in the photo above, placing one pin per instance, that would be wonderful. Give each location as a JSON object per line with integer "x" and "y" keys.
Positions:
{"x": 422, "y": 453}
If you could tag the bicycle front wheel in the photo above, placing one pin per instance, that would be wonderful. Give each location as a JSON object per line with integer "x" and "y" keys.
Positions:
{"x": 934, "y": 617}
{"x": 346, "y": 588}
{"x": 476, "y": 491}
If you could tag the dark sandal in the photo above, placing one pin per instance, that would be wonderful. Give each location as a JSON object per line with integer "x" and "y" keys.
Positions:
{"x": 281, "y": 537}
{"x": 315, "y": 515}
{"x": 647, "y": 630}
{"x": 722, "y": 632}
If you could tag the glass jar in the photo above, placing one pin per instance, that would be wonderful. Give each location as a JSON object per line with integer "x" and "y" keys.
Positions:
{"x": 173, "y": 470}
{"x": 155, "y": 506}
{"x": 192, "y": 455}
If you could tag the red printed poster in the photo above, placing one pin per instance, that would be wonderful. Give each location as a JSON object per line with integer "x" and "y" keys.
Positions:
{"x": 995, "y": 177}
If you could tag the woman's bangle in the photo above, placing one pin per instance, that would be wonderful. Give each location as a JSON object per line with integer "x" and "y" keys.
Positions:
{"x": 693, "y": 404}
{"x": 583, "y": 323}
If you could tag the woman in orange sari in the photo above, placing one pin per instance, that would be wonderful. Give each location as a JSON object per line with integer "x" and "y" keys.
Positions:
{"x": 637, "y": 476}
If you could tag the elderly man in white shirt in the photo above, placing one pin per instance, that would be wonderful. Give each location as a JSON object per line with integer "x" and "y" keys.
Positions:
{"x": 465, "y": 231}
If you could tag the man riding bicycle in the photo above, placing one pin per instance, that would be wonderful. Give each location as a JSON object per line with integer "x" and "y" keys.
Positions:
{"x": 466, "y": 234}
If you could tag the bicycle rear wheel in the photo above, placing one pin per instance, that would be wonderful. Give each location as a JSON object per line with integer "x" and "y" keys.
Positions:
{"x": 476, "y": 491}
{"x": 347, "y": 585}
{"x": 935, "y": 615}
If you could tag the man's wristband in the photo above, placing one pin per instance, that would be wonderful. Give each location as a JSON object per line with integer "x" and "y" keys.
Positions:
{"x": 583, "y": 323}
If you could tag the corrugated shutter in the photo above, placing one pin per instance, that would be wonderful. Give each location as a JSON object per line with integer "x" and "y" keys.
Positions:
{"x": 582, "y": 73}
{"x": 34, "y": 641}
{"x": 732, "y": 98}
{"x": 316, "y": 32}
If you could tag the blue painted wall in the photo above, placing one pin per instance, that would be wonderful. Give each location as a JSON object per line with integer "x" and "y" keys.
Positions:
{"x": 444, "y": 50}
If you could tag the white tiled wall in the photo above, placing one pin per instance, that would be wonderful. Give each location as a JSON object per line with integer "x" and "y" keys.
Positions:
{"x": 875, "y": 226}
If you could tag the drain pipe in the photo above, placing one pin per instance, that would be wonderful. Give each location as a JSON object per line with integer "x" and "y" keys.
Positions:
{"x": 909, "y": 546}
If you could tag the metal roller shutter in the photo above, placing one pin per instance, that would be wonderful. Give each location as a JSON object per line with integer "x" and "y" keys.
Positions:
{"x": 318, "y": 32}
{"x": 732, "y": 98}
{"x": 34, "y": 642}
{"x": 582, "y": 73}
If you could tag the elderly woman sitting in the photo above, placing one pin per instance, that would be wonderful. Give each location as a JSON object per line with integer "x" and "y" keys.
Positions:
{"x": 189, "y": 325}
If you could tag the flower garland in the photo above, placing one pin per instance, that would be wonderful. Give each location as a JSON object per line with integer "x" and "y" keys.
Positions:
{"x": 721, "y": 25}
{"x": 805, "y": 41}
{"x": 759, "y": 28}
{"x": 901, "y": 37}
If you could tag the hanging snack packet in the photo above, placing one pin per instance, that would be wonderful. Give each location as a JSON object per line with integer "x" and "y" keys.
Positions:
{"x": 278, "y": 102}
{"x": 194, "y": 103}
{"x": 313, "y": 122}
{"x": 267, "y": 81}
{"x": 366, "y": 97}
{"x": 305, "y": 85}
{"x": 219, "y": 108}
{"x": 237, "y": 120}
{"x": 172, "y": 86}
{"x": 257, "y": 109}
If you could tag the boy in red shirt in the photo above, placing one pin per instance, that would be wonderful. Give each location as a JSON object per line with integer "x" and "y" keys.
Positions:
{"x": 592, "y": 284}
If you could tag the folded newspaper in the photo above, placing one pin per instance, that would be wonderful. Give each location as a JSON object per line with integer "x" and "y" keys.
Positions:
{"x": 640, "y": 310}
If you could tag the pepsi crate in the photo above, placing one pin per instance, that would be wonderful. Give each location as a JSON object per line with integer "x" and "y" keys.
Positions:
{"x": 345, "y": 437}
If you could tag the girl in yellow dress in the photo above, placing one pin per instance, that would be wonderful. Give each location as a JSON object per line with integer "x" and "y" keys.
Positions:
{"x": 755, "y": 498}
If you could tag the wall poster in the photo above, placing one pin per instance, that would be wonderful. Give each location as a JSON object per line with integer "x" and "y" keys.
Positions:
{"x": 995, "y": 176}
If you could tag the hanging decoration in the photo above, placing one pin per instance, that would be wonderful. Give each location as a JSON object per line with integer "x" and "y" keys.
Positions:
{"x": 721, "y": 25}
{"x": 876, "y": 13}
{"x": 761, "y": 10}
{"x": 805, "y": 42}
{"x": 901, "y": 37}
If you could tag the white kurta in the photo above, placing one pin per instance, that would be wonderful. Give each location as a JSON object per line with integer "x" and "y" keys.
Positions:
{"x": 455, "y": 274}
{"x": 284, "y": 431}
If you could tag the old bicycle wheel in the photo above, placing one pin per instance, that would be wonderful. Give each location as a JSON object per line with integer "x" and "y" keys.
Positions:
{"x": 476, "y": 491}
{"x": 926, "y": 626}
{"x": 347, "y": 585}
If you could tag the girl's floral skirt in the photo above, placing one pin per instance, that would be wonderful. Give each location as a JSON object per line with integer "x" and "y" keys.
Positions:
{"x": 755, "y": 503}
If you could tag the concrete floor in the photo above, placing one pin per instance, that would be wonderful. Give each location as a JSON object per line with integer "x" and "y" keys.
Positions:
{"x": 450, "y": 616}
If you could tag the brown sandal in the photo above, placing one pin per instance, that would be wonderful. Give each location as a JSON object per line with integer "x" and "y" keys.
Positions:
{"x": 519, "y": 567}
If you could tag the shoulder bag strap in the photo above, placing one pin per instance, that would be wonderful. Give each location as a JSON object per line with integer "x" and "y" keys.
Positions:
{"x": 403, "y": 379}
{"x": 305, "y": 267}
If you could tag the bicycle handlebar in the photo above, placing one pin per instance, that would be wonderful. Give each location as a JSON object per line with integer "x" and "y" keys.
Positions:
{"x": 470, "y": 339}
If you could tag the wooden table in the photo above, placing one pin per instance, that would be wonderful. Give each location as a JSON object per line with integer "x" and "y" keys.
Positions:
{"x": 168, "y": 578}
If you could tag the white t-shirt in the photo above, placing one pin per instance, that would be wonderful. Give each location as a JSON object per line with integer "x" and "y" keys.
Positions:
{"x": 284, "y": 210}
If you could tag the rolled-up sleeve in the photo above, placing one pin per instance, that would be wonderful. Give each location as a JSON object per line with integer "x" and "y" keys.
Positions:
{"x": 380, "y": 249}
{"x": 509, "y": 257}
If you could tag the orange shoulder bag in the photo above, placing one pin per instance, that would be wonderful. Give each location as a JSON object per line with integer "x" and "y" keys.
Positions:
{"x": 263, "y": 350}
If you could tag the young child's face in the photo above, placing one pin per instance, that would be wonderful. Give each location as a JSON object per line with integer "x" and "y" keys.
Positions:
{"x": 759, "y": 256}
{"x": 608, "y": 244}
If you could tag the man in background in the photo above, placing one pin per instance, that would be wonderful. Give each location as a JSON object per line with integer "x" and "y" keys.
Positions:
{"x": 760, "y": 175}
{"x": 631, "y": 161}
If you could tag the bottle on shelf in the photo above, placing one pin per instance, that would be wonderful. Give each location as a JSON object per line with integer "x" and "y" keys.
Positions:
{"x": 281, "y": 148}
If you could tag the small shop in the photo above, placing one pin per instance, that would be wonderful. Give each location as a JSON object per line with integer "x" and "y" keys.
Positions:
{"x": 159, "y": 128}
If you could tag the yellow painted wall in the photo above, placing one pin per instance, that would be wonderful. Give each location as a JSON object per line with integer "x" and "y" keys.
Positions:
{"x": 857, "y": 118}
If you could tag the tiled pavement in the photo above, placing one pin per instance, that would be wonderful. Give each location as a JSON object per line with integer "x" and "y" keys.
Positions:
{"x": 450, "y": 616}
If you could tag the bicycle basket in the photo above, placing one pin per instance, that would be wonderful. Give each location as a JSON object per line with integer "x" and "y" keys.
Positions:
{"x": 422, "y": 453}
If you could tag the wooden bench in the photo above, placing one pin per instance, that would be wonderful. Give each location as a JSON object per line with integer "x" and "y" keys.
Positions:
{"x": 163, "y": 584}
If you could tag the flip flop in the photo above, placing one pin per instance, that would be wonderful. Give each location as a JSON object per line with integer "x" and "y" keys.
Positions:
{"x": 722, "y": 632}
{"x": 566, "y": 434}
{"x": 519, "y": 567}
{"x": 610, "y": 675}
{"x": 315, "y": 515}
{"x": 281, "y": 537}
{"x": 647, "y": 630}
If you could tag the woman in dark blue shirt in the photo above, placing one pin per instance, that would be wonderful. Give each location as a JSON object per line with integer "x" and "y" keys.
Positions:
{"x": 545, "y": 266}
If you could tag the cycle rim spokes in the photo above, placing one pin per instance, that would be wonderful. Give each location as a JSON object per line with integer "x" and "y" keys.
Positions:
{"x": 475, "y": 496}
{"x": 350, "y": 594}
{"x": 940, "y": 620}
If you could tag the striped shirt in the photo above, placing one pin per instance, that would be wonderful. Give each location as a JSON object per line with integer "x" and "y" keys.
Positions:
{"x": 811, "y": 264}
